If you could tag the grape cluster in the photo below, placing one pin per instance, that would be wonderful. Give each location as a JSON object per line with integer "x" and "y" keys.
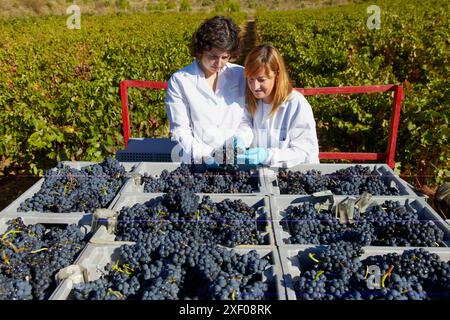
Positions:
{"x": 229, "y": 222}
{"x": 390, "y": 224}
{"x": 225, "y": 179}
{"x": 327, "y": 275}
{"x": 354, "y": 180}
{"x": 338, "y": 273}
{"x": 396, "y": 225}
{"x": 70, "y": 190}
{"x": 307, "y": 225}
{"x": 31, "y": 256}
{"x": 170, "y": 266}
{"x": 14, "y": 289}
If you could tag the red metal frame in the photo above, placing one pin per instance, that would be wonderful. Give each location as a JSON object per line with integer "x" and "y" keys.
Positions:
{"x": 388, "y": 156}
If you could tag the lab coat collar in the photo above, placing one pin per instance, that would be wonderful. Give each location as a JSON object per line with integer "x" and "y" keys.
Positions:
{"x": 285, "y": 103}
{"x": 282, "y": 106}
{"x": 201, "y": 81}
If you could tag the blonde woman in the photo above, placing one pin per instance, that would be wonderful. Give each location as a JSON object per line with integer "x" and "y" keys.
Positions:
{"x": 284, "y": 128}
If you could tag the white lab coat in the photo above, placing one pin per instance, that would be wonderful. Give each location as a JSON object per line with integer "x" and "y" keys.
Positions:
{"x": 201, "y": 120}
{"x": 290, "y": 134}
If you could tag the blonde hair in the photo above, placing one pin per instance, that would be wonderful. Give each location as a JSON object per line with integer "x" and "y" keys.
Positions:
{"x": 269, "y": 58}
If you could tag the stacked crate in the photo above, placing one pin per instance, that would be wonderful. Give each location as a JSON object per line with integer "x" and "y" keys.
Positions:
{"x": 104, "y": 248}
{"x": 270, "y": 205}
{"x": 83, "y": 220}
{"x": 294, "y": 257}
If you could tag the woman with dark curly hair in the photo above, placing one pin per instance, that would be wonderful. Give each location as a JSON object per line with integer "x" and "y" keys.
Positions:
{"x": 205, "y": 100}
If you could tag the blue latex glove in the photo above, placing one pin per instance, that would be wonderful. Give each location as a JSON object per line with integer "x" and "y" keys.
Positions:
{"x": 253, "y": 156}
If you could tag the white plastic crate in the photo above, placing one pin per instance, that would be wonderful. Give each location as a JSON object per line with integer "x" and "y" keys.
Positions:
{"x": 93, "y": 260}
{"x": 261, "y": 204}
{"x": 83, "y": 221}
{"x": 14, "y": 206}
{"x": 382, "y": 169}
{"x": 280, "y": 203}
{"x": 155, "y": 168}
{"x": 292, "y": 263}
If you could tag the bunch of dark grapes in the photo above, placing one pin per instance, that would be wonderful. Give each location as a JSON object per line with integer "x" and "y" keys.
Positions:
{"x": 390, "y": 224}
{"x": 229, "y": 222}
{"x": 327, "y": 274}
{"x": 226, "y": 179}
{"x": 70, "y": 190}
{"x": 169, "y": 269}
{"x": 397, "y": 225}
{"x": 295, "y": 182}
{"x": 32, "y": 255}
{"x": 308, "y": 225}
{"x": 14, "y": 289}
{"x": 338, "y": 273}
{"x": 354, "y": 180}
{"x": 357, "y": 180}
{"x": 416, "y": 274}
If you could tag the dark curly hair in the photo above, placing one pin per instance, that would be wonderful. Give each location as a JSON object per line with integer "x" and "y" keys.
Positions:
{"x": 218, "y": 32}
